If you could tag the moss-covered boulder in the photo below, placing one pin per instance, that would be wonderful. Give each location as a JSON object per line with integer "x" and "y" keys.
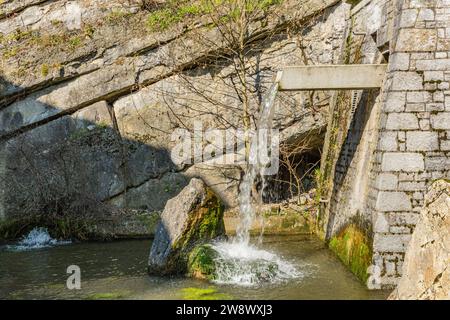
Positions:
{"x": 192, "y": 218}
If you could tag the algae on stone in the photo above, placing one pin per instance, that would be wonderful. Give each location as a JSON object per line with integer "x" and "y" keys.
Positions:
{"x": 354, "y": 250}
{"x": 201, "y": 263}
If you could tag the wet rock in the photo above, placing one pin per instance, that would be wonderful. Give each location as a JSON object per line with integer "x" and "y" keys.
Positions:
{"x": 202, "y": 262}
{"x": 426, "y": 272}
{"x": 192, "y": 218}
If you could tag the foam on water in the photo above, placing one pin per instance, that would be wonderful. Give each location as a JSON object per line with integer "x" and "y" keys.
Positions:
{"x": 38, "y": 238}
{"x": 246, "y": 265}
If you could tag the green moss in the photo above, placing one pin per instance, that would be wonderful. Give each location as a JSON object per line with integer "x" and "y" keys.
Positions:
{"x": 44, "y": 70}
{"x": 213, "y": 220}
{"x": 74, "y": 42}
{"x": 149, "y": 220}
{"x": 353, "y": 249}
{"x": 117, "y": 16}
{"x": 205, "y": 224}
{"x": 201, "y": 263}
{"x": 353, "y": 2}
{"x": 10, "y": 53}
{"x": 204, "y": 294}
{"x": 177, "y": 11}
{"x": 108, "y": 295}
{"x": 162, "y": 19}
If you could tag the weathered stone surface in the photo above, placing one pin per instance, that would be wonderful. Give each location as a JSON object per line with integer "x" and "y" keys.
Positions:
{"x": 398, "y": 161}
{"x": 422, "y": 141}
{"x": 407, "y": 81}
{"x": 193, "y": 217}
{"x": 399, "y": 121}
{"x": 393, "y": 201}
{"x": 440, "y": 121}
{"x": 417, "y": 40}
{"x": 426, "y": 273}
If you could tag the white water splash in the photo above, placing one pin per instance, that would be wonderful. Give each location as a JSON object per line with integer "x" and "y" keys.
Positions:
{"x": 38, "y": 238}
{"x": 239, "y": 262}
{"x": 246, "y": 265}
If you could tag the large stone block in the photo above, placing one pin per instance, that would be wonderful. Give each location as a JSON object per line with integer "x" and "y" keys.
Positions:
{"x": 402, "y": 121}
{"x": 422, "y": 141}
{"x": 399, "y": 61}
{"x": 407, "y": 81}
{"x": 393, "y": 201}
{"x": 408, "y": 18}
{"x": 417, "y": 40}
{"x": 387, "y": 181}
{"x": 433, "y": 65}
{"x": 391, "y": 242}
{"x": 193, "y": 217}
{"x": 388, "y": 141}
{"x": 437, "y": 163}
{"x": 402, "y": 161}
{"x": 440, "y": 121}
{"x": 395, "y": 102}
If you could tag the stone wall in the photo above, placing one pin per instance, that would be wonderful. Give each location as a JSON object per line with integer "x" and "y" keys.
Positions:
{"x": 413, "y": 149}
{"x": 397, "y": 143}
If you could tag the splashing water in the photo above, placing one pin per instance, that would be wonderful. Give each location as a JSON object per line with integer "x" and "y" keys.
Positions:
{"x": 238, "y": 261}
{"x": 38, "y": 238}
{"x": 246, "y": 265}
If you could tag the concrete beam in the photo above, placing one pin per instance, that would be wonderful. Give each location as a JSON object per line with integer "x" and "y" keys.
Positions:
{"x": 332, "y": 77}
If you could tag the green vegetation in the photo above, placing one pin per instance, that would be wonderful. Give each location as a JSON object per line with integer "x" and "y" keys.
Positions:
{"x": 353, "y": 248}
{"x": 44, "y": 70}
{"x": 10, "y": 53}
{"x": 150, "y": 220}
{"x": 74, "y": 42}
{"x": 117, "y": 16}
{"x": 177, "y": 11}
{"x": 201, "y": 263}
{"x": 204, "y": 294}
{"x": 353, "y": 2}
{"x": 108, "y": 295}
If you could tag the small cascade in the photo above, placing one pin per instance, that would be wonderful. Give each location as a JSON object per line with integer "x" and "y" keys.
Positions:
{"x": 37, "y": 238}
{"x": 256, "y": 167}
{"x": 238, "y": 261}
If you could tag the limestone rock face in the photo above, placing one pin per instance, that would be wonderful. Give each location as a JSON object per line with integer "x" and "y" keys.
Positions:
{"x": 192, "y": 218}
{"x": 426, "y": 273}
{"x": 90, "y": 97}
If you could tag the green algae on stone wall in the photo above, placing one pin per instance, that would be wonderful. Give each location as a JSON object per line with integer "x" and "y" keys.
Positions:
{"x": 353, "y": 248}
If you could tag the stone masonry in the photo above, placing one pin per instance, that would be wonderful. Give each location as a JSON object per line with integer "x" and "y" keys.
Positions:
{"x": 397, "y": 141}
{"x": 415, "y": 122}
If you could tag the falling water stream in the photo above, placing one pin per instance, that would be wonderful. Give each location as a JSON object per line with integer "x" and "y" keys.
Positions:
{"x": 240, "y": 262}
